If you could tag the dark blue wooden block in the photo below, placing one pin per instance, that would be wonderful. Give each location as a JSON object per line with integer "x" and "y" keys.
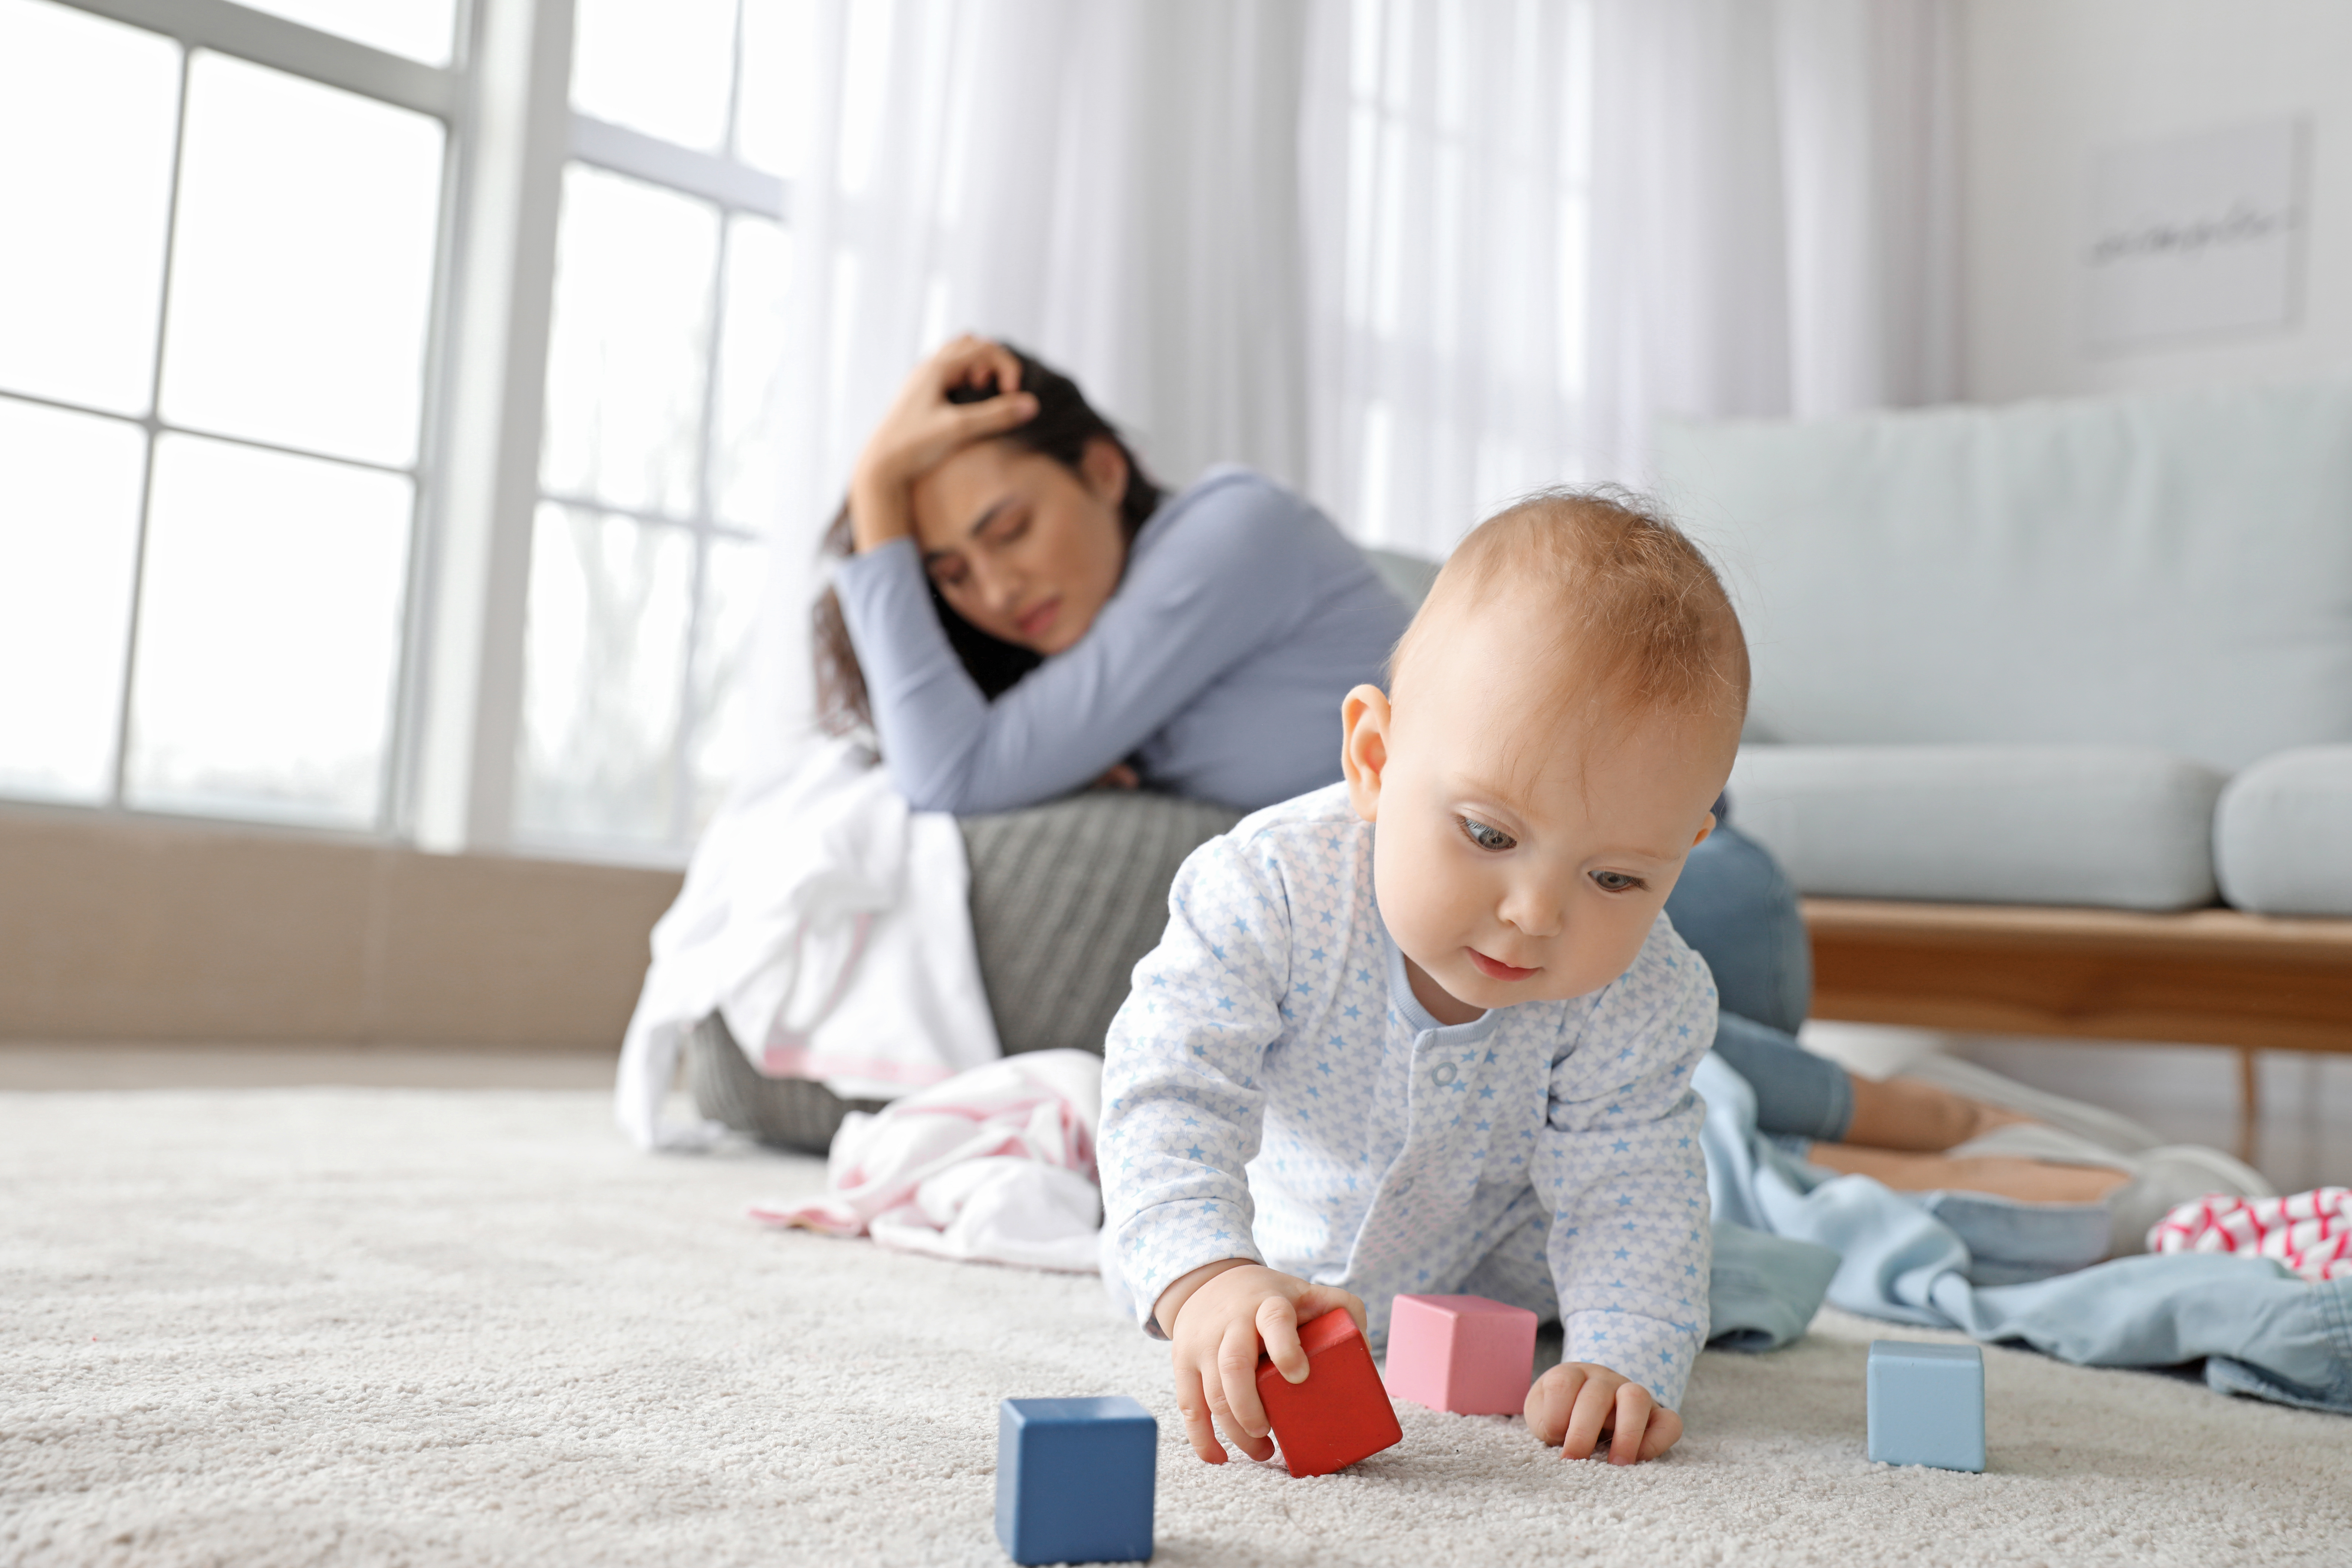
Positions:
{"x": 1073, "y": 1480}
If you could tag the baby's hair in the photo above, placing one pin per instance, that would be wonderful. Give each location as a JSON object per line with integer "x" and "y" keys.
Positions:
{"x": 1643, "y": 618}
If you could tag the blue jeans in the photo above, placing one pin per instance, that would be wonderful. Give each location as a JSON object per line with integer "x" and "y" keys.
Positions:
{"x": 1737, "y": 911}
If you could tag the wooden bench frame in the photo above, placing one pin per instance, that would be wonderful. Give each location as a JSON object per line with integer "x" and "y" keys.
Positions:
{"x": 2217, "y": 977}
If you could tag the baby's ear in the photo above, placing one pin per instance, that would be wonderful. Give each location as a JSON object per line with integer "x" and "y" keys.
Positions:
{"x": 1364, "y": 747}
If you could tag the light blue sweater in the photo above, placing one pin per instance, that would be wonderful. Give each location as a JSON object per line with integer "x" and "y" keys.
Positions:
{"x": 1242, "y": 619}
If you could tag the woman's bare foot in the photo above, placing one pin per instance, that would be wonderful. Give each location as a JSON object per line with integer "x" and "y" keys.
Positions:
{"x": 2027, "y": 1181}
{"x": 1904, "y": 1113}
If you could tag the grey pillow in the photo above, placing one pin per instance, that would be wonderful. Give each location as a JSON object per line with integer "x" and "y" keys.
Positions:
{"x": 1065, "y": 897}
{"x": 1409, "y": 577}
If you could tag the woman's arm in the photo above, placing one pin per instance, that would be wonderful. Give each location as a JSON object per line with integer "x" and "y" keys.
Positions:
{"x": 1235, "y": 571}
{"x": 922, "y": 429}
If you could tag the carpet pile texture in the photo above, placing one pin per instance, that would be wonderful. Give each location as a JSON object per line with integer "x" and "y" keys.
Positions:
{"x": 387, "y": 1326}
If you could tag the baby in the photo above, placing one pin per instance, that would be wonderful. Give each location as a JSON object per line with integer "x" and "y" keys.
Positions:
{"x": 1428, "y": 1031}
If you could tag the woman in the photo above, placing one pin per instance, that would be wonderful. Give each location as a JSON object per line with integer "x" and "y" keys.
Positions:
{"x": 1023, "y": 612}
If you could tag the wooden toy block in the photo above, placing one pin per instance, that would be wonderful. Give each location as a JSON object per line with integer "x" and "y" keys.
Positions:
{"x": 1073, "y": 1480}
{"x": 1463, "y": 1353}
{"x": 1926, "y": 1404}
{"x": 1341, "y": 1414}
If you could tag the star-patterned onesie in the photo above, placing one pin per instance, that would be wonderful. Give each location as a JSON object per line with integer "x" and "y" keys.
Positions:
{"x": 1274, "y": 1090}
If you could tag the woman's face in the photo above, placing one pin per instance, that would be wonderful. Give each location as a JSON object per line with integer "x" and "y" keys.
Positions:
{"x": 1019, "y": 545}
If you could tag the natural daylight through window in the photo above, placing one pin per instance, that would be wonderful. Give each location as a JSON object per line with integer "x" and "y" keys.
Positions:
{"x": 226, "y": 408}
{"x": 212, "y": 369}
{"x": 657, "y": 466}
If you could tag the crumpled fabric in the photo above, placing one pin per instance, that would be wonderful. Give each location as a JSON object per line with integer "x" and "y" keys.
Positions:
{"x": 995, "y": 1165}
{"x": 2311, "y": 1232}
{"x": 2258, "y": 1327}
{"x": 832, "y": 927}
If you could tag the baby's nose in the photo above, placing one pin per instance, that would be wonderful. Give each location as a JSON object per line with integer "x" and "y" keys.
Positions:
{"x": 1528, "y": 910}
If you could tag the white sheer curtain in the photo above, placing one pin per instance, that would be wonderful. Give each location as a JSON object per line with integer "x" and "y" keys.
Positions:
{"x": 1413, "y": 256}
{"x": 1448, "y": 170}
{"x": 1774, "y": 212}
{"x": 1110, "y": 184}
{"x": 1535, "y": 226}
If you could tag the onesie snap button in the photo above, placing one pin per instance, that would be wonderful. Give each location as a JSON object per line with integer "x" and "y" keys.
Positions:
{"x": 1444, "y": 1074}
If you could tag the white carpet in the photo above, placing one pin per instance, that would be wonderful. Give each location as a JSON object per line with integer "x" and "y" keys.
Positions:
{"x": 264, "y": 1327}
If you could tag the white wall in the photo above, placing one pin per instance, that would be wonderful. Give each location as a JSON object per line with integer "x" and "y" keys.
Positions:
{"x": 2049, "y": 83}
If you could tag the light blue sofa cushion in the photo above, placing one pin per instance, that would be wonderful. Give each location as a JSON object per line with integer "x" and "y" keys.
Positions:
{"x": 2125, "y": 826}
{"x": 2283, "y": 835}
{"x": 2172, "y": 571}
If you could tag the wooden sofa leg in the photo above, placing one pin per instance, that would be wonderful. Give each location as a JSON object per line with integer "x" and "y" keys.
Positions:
{"x": 2249, "y": 1102}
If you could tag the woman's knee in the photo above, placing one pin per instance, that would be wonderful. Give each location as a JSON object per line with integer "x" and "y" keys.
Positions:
{"x": 1738, "y": 910}
{"x": 1797, "y": 1092}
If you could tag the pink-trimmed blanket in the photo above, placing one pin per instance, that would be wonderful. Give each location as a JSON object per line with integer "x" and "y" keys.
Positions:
{"x": 996, "y": 1164}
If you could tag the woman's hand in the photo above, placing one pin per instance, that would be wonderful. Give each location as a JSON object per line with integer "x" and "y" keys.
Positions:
{"x": 1576, "y": 1404}
{"x": 1215, "y": 1318}
{"x": 922, "y": 429}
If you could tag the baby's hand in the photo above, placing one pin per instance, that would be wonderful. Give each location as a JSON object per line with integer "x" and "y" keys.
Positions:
{"x": 1576, "y": 1404}
{"x": 1220, "y": 1311}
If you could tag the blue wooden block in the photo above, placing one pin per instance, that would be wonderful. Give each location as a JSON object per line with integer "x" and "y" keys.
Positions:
{"x": 1073, "y": 1480}
{"x": 1926, "y": 1404}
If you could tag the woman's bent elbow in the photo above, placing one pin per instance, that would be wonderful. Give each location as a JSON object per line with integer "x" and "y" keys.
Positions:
{"x": 954, "y": 795}
{"x": 973, "y": 788}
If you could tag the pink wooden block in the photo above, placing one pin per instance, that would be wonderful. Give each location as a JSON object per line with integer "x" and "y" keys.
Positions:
{"x": 1463, "y": 1353}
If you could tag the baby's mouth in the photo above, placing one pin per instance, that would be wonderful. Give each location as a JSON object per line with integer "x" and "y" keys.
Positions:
{"x": 1494, "y": 969}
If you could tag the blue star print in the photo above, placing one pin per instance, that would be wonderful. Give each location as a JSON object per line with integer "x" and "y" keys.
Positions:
{"x": 1288, "y": 1099}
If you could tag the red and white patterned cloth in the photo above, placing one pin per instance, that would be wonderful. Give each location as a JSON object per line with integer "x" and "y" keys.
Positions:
{"x": 2311, "y": 1232}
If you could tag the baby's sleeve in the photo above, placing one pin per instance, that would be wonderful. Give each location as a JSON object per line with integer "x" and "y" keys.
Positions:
{"x": 1182, "y": 1110}
{"x": 1620, "y": 1167}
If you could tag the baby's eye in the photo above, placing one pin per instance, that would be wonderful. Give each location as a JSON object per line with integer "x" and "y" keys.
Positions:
{"x": 1484, "y": 836}
{"x": 1617, "y": 882}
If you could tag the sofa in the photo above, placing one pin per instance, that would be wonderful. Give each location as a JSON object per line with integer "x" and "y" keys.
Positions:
{"x": 2053, "y": 705}
{"x": 2032, "y": 685}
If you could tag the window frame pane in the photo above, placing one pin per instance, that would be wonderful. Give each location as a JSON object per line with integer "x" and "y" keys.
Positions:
{"x": 75, "y": 386}
{"x": 739, "y": 191}
{"x": 455, "y": 486}
{"x": 262, "y": 39}
{"x": 89, "y": 483}
{"x": 444, "y": 54}
{"x": 197, "y": 399}
{"x": 185, "y": 457}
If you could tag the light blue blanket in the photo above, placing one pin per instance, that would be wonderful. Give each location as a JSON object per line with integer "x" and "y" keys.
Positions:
{"x": 1787, "y": 1236}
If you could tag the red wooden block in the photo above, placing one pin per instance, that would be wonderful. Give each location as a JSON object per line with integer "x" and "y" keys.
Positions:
{"x": 1341, "y": 1414}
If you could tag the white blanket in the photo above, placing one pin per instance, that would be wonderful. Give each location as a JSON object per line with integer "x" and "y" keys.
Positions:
{"x": 831, "y": 928}
{"x": 995, "y": 1166}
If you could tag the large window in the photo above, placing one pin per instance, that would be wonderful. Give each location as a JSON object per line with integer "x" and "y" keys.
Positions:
{"x": 235, "y": 319}
{"x": 658, "y": 473}
{"x": 214, "y": 321}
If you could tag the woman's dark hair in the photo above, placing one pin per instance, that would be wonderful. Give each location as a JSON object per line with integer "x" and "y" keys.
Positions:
{"x": 1066, "y": 424}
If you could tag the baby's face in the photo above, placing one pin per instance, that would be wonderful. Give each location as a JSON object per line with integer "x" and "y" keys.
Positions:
{"x": 1522, "y": 857}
